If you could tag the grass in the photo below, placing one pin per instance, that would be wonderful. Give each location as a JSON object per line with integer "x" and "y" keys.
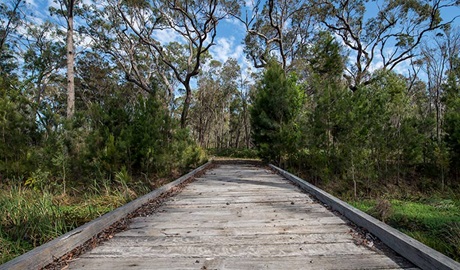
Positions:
{"x": 434, "y": 222}
{"x": 33, "y": 217}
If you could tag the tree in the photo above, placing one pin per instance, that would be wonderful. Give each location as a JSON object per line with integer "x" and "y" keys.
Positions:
{"x": 281, "y": 29}
{"x": 321, "y": 125}
{"x": 434, "y": 63}
{"x": 452, "y": 119}
{"x": 194, "y": 21}
{"x": 391, "y": 35}
{"x": 276, "y": 105}
{"x": 67, "y": 10}
{"x": 206, "y": 110}
{"x": 452, "y": 102}
{"x": 43, "y": 59}
{"x": 10, "y": 19}
{"x": 124, "y": 49}
{"x": 216, "y": 108}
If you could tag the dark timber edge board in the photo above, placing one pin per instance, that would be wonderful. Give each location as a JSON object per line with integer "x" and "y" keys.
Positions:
{"x": 416, "y": 252}
{"x": 46, "y": 253}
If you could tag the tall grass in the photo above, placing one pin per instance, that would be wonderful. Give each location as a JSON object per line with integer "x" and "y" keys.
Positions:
{"x": 434, "y": 222}
{"x": 31, "y": 217}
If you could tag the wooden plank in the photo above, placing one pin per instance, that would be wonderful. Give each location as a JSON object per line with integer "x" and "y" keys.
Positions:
{"x": 311, "y": 238}
{"x": 251, "y": 210}
{"x": 416, "y": 252}
{"x": 144, "y": 222}
{"x": 45, "y": 254}
{"x": 210, "y": 216}
{"x": 337, "y": 262}
{"x": 204, "y": 230}
{"x": 213, "y": 250}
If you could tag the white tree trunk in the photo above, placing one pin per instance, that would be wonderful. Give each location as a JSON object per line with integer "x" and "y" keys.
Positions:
{"x": 70, "y": 63}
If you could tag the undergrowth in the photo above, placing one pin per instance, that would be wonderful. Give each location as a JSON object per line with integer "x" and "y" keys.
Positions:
{"x": 434, "y": 221}
{"x": 33, "y": 217}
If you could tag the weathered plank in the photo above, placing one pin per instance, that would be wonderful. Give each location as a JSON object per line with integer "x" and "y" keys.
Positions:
{"x": 336, "y": 262}
{"x": 194, "y": 223}
{"x": 237, "y": 231}
{"x": 238, "y": 217}
{"x": 242, "y": 251}
{"x": 45, "y": 254}
{"x": 416, "y": 252}
{"x": 261, "y": 239}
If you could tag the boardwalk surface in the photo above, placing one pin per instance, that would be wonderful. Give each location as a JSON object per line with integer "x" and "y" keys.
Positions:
{"x": 238, "y": 217}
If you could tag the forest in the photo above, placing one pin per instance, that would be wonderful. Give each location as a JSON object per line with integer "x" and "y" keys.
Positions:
{"x": 97, "y": 107}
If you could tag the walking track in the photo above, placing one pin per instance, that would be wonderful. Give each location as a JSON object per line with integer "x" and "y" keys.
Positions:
{"x": 239, "y": 217}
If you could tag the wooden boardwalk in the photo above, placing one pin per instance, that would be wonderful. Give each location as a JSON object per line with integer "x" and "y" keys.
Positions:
{"x": 239, "y": 217}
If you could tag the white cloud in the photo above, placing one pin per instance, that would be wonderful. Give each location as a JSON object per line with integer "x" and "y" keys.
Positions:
{"x": 166, "y": 36}
{"x": 225, "y": 48}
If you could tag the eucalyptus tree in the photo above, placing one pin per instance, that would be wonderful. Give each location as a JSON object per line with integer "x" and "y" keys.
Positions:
{"x": 439, "y": 61}
{"x": 434, "y": 61}
{"x": 205, "y": 106}
{"x": 10, "y": 19}
{"x": 216, "y": 107}
{"x": 117, "y": 46}
{"x": 44, "y": 58}
{"x": 67, "y": 10}
{"x": 11, "y": 15}
{"x": 277, "y": 29}
{"x": 390, "y": 35}
{"x": 194, "y": 23}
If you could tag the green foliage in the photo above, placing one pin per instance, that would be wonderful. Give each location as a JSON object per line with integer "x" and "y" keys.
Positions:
{"x": 135, "y": 138}
{"x": 17, "y": 130}
{"x": 276, "y": 104}
{"x": 30, "y": 216}
{"x": 38, "y": 180}
{"x": 326, "y": 57}
{"x": 34, "y": 217}
{"x": 362, "y": 137}
{"x": 435, "y": 222}
{"x": 452, "y": 120}
{"x": 185, "y": 154}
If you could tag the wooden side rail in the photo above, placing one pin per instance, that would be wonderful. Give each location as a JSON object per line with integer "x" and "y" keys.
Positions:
{"x": 45, "y": 254}
{"x": 414, "y": 251}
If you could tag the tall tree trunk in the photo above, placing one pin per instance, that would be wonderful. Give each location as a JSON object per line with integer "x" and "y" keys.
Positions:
{"x": 188, "y": 99}
{"x": 70, "y": 62}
